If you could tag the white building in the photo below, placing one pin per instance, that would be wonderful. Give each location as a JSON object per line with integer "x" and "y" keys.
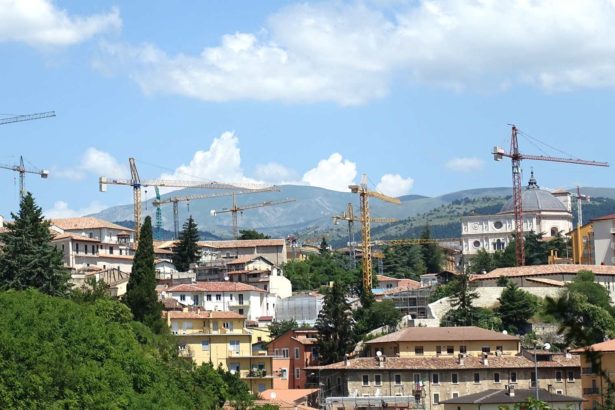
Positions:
{"x": 543, "y": 212}
{"x": 247, "y": 300}
{"x": 272, "y": 249}
{"x": 603, "y": 239}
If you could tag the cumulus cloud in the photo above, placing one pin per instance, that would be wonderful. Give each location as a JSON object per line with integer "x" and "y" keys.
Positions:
{"x": 334, "y": 173}
{"x": 465, "y": 164}
{"x": 41, "y": 23}
{"x": 395, "y": 185}
{"x": 351, "y": 53}
{"x": 275, "y": 173}
{"x": 61, "y": 209}
{"x": 96, "y": 162}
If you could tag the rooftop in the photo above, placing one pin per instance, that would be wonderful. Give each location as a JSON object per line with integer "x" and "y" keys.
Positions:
{"x": 534, "y": 270}
{"x": 74, "y": 237}
{"x": 250, "y": 243}
{"x": 535, "y": 199}
{"x": 608, "y": 346}
{"x": 604, "y": 218}
{"x": 500, "y": 396}
{"x": 214, "y": 287}
{"x": 428, "y": 334}
{"x": 86, "y": 222}
{"x": 287, "y": 395}
{"x": 246, "y": 259}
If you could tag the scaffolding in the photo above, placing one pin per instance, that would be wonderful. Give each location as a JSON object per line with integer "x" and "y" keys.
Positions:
{"x": 413, "y": 302}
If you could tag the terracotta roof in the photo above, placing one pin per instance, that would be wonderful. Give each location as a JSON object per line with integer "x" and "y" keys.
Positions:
{"x": 385, "y": 278}
{"x": 305, "y": 340}
{"x": 214, "y": 287}
{"x": 442, "y": 363}
{"x": 246, "y": 259}
{"x": 171, "y": 304}
{"x": 428, "y": 334}
{"x": 550, "y": 282}
{"x": 604, "y": 218}
{"x": 74, "y": 237}
{"x": 265, "y": 318}
{"x": 86, "y": 223}
{"x": 203, "y": 314}
{"x": 288, "y": 395}
{"x": 239, "y": 272}
{"x": 250, "y": 243}
{"x": 608, "y": 346}
{"x": 535, "y": 270}
{"x": 500, "y": 396}
{"x": 163, "y": 251}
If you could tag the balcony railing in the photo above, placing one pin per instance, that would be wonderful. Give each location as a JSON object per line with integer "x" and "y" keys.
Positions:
{"x": 254, "y": 374}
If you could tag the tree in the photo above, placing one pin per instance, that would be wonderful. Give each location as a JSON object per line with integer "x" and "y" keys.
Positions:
{"x": 324, "y": 246}
{"x": 377, "y": 315}
{"x": 27, "y": 257}
{"x": 245, "y": 234}
{"x": 482, "y": 262}
{"x": 462, "y": 297}
{"x": 585, "y": 283}
{"x": 404, "y": 261}
{"x": 187, "y": 250}
{"x": 141, "y": 294}
{"x": 506, "y": 258}
{"x": 432, "y": 254}
{"x": 277, "y": 329}
{"x": 334, "y": 325}
{"x": 535, "y": 249}
{"x": 516, "y": 307}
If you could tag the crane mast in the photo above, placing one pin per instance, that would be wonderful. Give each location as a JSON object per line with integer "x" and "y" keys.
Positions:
{"x": 516, "y": 158}
{"x": 22, "y": 170}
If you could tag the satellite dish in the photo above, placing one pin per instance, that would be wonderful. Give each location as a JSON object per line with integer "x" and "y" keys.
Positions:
{"x": 226, "y": 277}
{"x": 273, "y": 395}
{"x": 379, "y": 353}
{"x": 504, "y": 332}
{"x": 212, "y": 212}
{"x": 547, "y": 346}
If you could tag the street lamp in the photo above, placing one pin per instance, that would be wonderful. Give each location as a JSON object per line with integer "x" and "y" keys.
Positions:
{"x": 546, "y": 346}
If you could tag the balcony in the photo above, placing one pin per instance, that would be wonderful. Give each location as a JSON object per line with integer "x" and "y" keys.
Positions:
{"x": 590, "y": 391}
{"x": 255, "y": 374}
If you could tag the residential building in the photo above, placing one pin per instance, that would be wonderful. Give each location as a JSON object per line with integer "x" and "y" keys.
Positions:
{"x": 301, "y": 307}
{"x": 220, "y": 338}
{"x": 543, "y": 212}
{"x": 594, "y": 242}
{"x": 299, "y": 348}
{"x": 496, "y": 399}
{"x": 296, "y": 399}
{"x": 596, "y": 378}
{"x": 246, "y": 300}
{"x": 427, "y": 381}
{"x": 272, "y": 249}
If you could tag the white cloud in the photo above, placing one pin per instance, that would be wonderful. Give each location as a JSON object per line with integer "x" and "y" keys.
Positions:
{"x": 97, "y": 162}
{"x": 395, "y": 185}
{"x": 351, "y": 53}
{"x": 332, "y": 173}
{"x": 41, "y": 23}
{"x": 275, "y": 173}
{"x": 61, "y": 210}
{"x": 465, "y": 164}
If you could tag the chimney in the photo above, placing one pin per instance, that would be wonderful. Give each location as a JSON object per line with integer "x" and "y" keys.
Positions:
{"x": 346, "y": 361}
{"x": 510, "y": 389}
{"x": 568, "y": 354}
{"x": 485, "y": 360}
{"x": 461, "y": 359}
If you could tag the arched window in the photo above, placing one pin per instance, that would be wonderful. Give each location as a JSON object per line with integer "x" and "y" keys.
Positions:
{"x": 554, "y": 231}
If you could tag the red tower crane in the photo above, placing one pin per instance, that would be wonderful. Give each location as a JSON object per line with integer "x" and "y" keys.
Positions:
{"x": 516, "y": 157}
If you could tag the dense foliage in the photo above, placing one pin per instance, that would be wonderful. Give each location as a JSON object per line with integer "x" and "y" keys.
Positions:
{"x": 318, "y": 270}
{"x": 335, "y": 326}
{"x": 374, "y": 316}
{"x": 404, "y": 261}
{"x": 187, "y": 250}
{"x": 516, "y": 308}
{"x": 432, "y": 253}
{"x": 141, "y": 294}
{"x": 58, "y": 354}
{"x": 277, "y": 329}
{"x": 245, "y": 234}
{"x": 27, "y": 257}
{"x": 463, "y": 312}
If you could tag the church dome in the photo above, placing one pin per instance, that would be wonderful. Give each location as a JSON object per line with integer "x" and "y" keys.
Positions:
{"x": 535, "y": 199}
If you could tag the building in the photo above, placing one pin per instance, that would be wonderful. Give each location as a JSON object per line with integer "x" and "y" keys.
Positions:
{"x": 220, "y": 338}
{"x": 299, "y": 349}
{"x": 596, "y": 379}
{"x": 413, "y": 302}
{"x": 301, "y": 307}
{"x": 427, "y": 381}
{"x": 296, "y": 399}
{"x": 386, "y": 282}
{"x": 594, "y": 242}
{"x": 543, "y": 212}
{"x": 272, "y": 249}
{"x": 246, "y": 300}
{"x": 496, "y": 399}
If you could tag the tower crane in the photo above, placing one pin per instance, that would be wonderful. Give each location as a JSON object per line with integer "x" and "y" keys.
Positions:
{"x": 349, "y": 216}
{"x": 364, "y": 194}
{"x": 27, "y": 117}
{"x": 22, "y": 170}
{"x": 516, "y": 158}
{"x": 136, "y": 183}
{"x": 158, "y": 212}
{"x": 177, "y": 199}
{"x": 234, "y": 209}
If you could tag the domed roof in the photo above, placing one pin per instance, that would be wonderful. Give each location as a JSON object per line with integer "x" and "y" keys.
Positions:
{"x": 535, "y": 199}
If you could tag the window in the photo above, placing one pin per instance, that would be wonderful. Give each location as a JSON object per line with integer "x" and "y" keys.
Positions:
{"x": 486, "y": 349}
{"x": 378, "y": 380}
{"x": 110, "y": 250}
{"x": 228, "y": 325}
{"x": 476, "y": 244}
{"x": 418, "y": 350}
{"x": 195, "y": 298}
{"x": 559, "y": 392}
{"x": 435, "y": 378}
{"x": 436, "y": 398}
{"x": 455, "y": 395}
{"x": 463, "y": 349}
{"x": 241, "y": 311}
{"x": 476, "y": 377}
{"x": 285, "y": 352}
{"x": 208, "y": 298}
{"x": 297, "y": 373}
{"x": 500, "y": 348}
{"x": 85, "y": 247}
{"x": 297, "y": 353}
{"x": 205, "y": 345}
{"x": 498, "y": 224}
{"x": 77, "y": 248}
{"x": 454, "y": 378}
{"x": 496, "y": 377}
{"x": 182, "y": 298}
{"x": 558, "y": 376}
{"x": 218, "y": 297}
{"x": 233, "y": 345}
{"x": 570, "y": 376}
{"x": 398, "y": 379}
{"x": 417, "y": 378}
{"x": 450, "y": 350}
{"x": 284, "y": 374}
{"x": 513, "y": 377}
{"x": 276, "y": 352}
{"x": 438, "y": 350}
{"x": 365, "y": 380}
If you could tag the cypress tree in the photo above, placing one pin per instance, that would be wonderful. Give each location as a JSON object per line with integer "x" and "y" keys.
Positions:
{"x": 27, "y": 257}
{"x": 516, "y": 307}
{"x": 141, "y": 294}
{"x": 334, "y": 324}
{"x": 187, "y": 250}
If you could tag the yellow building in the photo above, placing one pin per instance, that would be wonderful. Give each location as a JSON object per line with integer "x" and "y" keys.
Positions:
{"x": 595, "y": 380}
{"x": 582, "y": 249}
{"x": 220, "y": 338}
{"x": 444, "y": 341}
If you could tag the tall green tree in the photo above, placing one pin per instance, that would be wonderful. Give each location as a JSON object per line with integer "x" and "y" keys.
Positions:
{"x": 141, "y": 294}
{"x": 432, "y": 254}
{"x": 585, "y": 283}
{"x": 516, "y": 307}
{"x": 27, "y": 257}
{"x": 335, "y": 326}
{"x": 187, "y": 250}
{"x": 324, "y": 246}
{"x": 404, "y": 261}
{"x": 535, "y": 249}
{"x": 482, "y": 262}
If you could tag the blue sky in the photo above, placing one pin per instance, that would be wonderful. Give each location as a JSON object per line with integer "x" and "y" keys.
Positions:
{"x": 413, "y": 93}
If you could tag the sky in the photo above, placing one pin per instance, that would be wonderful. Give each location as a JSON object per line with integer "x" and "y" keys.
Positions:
{"x": 415, "y": 94}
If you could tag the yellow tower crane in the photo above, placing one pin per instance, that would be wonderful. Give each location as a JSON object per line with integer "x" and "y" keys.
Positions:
{"x": 364, "y": 194}
{"x": 137, "y": 183}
